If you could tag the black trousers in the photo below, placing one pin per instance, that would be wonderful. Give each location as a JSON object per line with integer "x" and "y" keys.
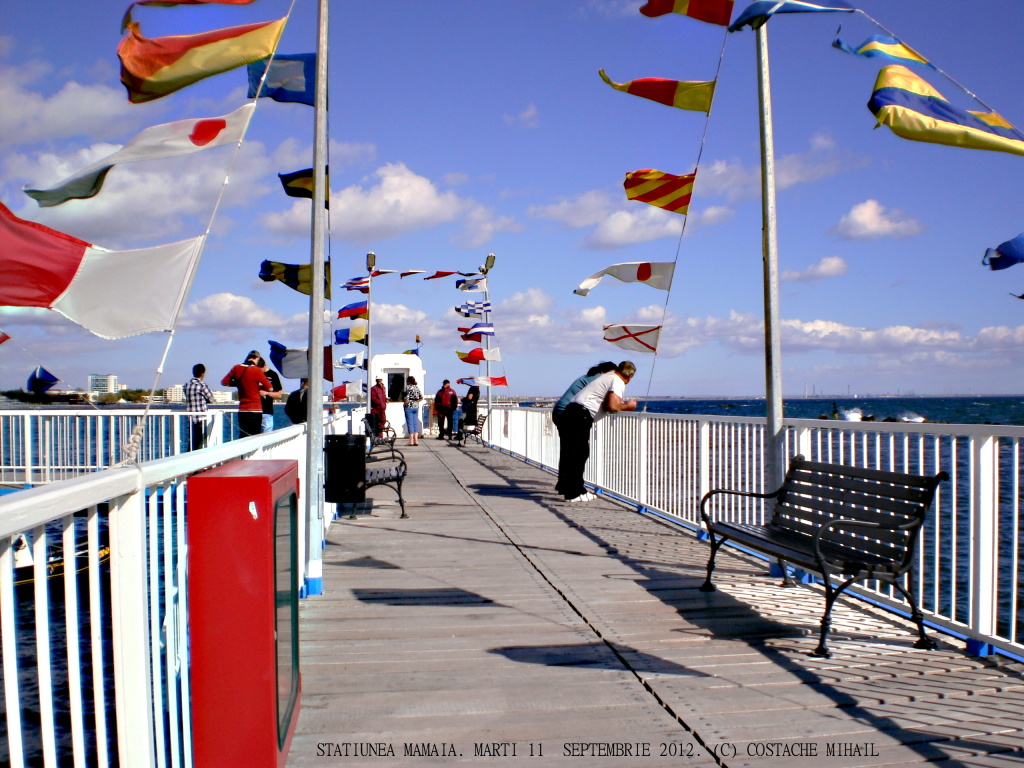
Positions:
{"x": 574, "y": 425}
{"x": 198, "y": 435}
{"x": 444, "y": 423}
{"x": 250, "y": 423}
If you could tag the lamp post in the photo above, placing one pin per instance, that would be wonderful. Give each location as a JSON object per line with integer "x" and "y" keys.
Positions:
{"x": 487, "y": 266}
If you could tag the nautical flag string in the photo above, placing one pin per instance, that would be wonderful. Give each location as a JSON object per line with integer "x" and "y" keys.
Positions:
{"x": 291, "y": 78}
{"x": 758, "y": 12}
{"x": 354, "y": 335}
{"x": 295, "y": 276}
{"x": 479, "y": 355}
{"x": 914, "y": 110}
{"x": 682, "y": 94}
{"x": 655, "y": 274}
{"x": 357, "y": 283}
{"x": 639, "y": 338}
{"x": 472, "y": 284}
{"x": 477, "y": 332}
{"x": 662, "y": 190}
{"x": 300, "y": 184}
{"x": 159, "y": 141}
{"x": 166, "y": 3}
{"x": 473, "y": 308}
{"x": 885, "y": 47}
{"x": 1005, "y": 255}
{"x": 359, "y": 309}
{"x": 154, "y": 68}
{"x": 484, "y": 381}
{"x": 712, "y": 11}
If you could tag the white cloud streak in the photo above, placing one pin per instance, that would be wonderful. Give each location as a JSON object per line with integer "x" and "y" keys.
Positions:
{"x": 871, "y": 220}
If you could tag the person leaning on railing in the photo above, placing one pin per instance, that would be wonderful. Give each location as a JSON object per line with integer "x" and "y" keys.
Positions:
{"x": 602, "y": 396}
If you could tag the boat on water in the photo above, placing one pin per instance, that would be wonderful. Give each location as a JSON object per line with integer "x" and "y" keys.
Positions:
{"x": 56, "y": 563}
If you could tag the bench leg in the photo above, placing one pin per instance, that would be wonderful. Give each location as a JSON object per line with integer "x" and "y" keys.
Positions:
{"x": 923, "y": 641}
{"x": 831, "y": 595}
{"x": 401, "y": 499}
{"x": 707, "y": 586}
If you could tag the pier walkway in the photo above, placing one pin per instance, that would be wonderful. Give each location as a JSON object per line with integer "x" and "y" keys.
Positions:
{"x": 499, "y": 620}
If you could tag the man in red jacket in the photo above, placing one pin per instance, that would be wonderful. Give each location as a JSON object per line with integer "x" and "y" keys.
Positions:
{"x": 378, "y": 408}
{"x": 445, "y": 403}
{"x": 250, "y": 381}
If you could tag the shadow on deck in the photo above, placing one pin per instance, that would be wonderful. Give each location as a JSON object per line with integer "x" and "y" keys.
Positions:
{"x": 498, "y": 620}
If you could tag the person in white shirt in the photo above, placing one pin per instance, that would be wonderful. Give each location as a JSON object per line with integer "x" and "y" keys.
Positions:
{"x": 605, "y": 394}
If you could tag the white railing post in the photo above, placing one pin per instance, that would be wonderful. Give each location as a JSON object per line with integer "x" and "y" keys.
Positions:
{"x": 130, "y": 618}
{"x": 644, "y": 468}
{"x": 803, "y": 442}
{"x": 26, "y": 434}
{"x": 703, "y": 460}
{"x": 984, "y": 544}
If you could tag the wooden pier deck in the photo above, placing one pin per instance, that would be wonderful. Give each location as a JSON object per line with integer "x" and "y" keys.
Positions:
{"x": 498, "y": 622}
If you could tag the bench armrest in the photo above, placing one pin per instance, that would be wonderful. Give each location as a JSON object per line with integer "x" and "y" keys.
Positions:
{"x": 707, "y": 497}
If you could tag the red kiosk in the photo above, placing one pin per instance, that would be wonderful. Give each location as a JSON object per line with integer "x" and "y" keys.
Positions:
{"x": 243, "y": 587}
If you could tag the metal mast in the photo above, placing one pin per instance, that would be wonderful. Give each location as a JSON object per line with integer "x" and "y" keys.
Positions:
{"x": 314, "y": 503}
{"x": 774, "y": 445}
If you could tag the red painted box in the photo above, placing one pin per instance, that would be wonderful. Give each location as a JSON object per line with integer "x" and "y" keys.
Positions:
{"x": 243, "y": 577}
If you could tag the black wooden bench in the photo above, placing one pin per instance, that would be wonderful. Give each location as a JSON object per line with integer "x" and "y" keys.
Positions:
{"x": 474, "y": 430}
{"x": 842, "y": 522}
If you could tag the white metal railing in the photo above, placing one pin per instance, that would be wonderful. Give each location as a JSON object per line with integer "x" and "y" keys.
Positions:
{"x": 969, "y": 575}
{"x": 46, "y": 445}
{"x": 95, "y": 665}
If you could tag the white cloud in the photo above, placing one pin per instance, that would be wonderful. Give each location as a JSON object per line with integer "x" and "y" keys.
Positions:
{"x": 455, "y": 178}
{"x": 528, "y": 118}
{"x": 147, "y": 202}
{"x": 75, "y": 110}
{"x": 394, "y": 201}
{"x": 628, "y": 227}
{"x": 231, "y": 317}
{"x": 829, "y": 266}
{"x": 584, "y": 210}
{"x": 871, "y": 219}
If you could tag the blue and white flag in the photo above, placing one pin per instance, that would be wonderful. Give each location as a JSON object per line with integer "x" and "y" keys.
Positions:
{"x": 472, "y": 284}
{"x": 759, "y": 11}
{"x": 474, "y": 308}
{"x": 292, "y": 77}
{"x": 349, "y": 362}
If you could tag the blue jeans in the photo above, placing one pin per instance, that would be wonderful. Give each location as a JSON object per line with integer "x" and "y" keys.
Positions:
{"x": 268, "y": 422}
{"x": 412, "y": 420}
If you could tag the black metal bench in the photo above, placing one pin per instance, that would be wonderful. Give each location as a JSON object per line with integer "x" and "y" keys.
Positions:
{"x": 475, "y": 430}
{"x": 387, "y": 435}
{"x": 842, "y": 522}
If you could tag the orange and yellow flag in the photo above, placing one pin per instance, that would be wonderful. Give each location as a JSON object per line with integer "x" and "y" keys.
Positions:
{"x": 152, "y": 68}
{"x": 711, "y": 11}
{"x": 682, "y": 94}
{"x": 662, "y": 190}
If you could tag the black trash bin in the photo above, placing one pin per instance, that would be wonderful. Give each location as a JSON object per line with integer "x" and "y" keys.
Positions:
{"x": 345, "y": 469}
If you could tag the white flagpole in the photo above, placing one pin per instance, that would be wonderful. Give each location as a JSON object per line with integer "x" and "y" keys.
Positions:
{"x": 371, "y": 262}
{"x": 485, "y": 269}
{"x": 314, "y": 502}
{"x": 775, "y": 464}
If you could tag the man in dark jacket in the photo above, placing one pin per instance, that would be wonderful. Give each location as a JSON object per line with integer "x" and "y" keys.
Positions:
{"x": 445, "y": 403}
{"x": 295, "y": 407}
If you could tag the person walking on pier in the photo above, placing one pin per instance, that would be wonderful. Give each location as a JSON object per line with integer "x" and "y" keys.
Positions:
{"x": 604, "y": 395}
{"x": 295, "y": 407}
{"x": 197, "y": 395}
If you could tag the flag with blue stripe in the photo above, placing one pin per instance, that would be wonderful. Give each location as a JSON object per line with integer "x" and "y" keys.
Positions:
{"x": 914, "y": 110}
{"x": 887, "y": 48}
{"x": 292, "y": 78}
{"x": 758, "y": 12}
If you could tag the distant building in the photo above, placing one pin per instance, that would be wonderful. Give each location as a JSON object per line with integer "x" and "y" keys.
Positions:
{"x": 103, "y": 384}
{"x": 175, "y": 394}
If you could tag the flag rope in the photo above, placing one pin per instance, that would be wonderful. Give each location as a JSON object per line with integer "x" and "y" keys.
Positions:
{"x": 130, "y": 451}
{"x": 682, "y": 229}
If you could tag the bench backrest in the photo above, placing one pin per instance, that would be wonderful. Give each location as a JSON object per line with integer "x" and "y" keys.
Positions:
{"x": 815, "y": 494}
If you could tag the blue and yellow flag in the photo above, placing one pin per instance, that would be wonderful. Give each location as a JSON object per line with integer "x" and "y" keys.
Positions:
{"x": 353, "y": 335}
{"x": 885, "y": 47}
{"x": 916, "y": 111}
{"x": 296, "y": 276}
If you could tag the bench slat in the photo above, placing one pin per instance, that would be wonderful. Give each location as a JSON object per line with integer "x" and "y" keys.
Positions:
{"x": 830, "y": 508}
{"x": 877, "y": 489}
{"x": 897, "y": 478}
{"x": 887, "y": 543}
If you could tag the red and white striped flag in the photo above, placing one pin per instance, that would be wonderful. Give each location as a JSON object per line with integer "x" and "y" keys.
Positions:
{"x": 662, "y": 190}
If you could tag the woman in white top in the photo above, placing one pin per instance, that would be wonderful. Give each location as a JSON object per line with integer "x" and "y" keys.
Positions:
{"x": 605, "y": 394}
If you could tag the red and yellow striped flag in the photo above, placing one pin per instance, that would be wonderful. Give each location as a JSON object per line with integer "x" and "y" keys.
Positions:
{"x": 153, "y": 68}
{"x": 662, "y": 190}
{"x": 683, "y": 94}
{"x": 711, "y": 11}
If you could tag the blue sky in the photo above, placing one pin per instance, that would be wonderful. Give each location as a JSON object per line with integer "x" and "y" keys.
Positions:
{"x": 461, "y": 129}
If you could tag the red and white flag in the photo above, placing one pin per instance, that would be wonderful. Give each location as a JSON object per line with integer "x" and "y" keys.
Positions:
{"x": 111, "y": 293}
{"x": 4, "y": 337}
{"x": 639, "y": 338}
{"x": 479, "y": 355}
{"x": 656, "y": 274}
{"x": 167, "y": 140}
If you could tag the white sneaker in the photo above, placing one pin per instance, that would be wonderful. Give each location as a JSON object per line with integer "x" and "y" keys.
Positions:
{"x": 583, "y": 497}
